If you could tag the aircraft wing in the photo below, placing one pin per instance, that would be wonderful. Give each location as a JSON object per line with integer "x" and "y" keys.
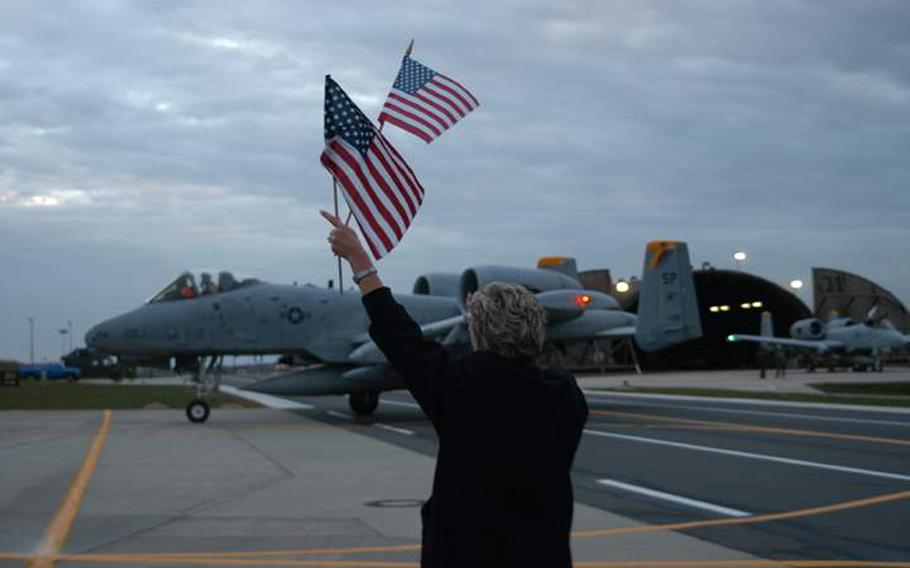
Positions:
{"x": 817, "y": 345}
{"x": 369, "y": 353}
{"x": 624, "y": 331}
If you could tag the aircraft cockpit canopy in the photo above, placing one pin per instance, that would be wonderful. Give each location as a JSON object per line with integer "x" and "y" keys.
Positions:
{"x": 192, "y": 284}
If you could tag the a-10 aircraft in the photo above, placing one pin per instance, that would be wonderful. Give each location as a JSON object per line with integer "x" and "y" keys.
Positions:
{"x": 839, "y": 342}
{"x": 192, "y": 320}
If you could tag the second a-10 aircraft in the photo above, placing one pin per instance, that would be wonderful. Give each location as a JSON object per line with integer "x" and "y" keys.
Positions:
{"x": 841, "y": 341}
{"x": 190, "y": 321}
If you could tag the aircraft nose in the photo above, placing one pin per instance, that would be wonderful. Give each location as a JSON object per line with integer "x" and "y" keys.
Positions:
{"x": 99, "y": 337}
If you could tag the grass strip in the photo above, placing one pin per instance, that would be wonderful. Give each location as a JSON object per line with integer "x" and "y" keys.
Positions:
{"x": 889, "y": 389}
{"x": 32, "y": 395}
{"x": 794, "y": 397}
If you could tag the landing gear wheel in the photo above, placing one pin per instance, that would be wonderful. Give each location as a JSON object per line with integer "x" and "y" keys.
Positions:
{"x": 197, "y": 411}
{"x": 363, "y": 403}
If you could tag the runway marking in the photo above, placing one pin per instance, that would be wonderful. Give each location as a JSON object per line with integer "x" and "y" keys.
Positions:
{"x": 698, "y": 504}
{"x": 62, "y": 522}
{"x": 752, "y": 428}
{"x": 757, "y": 563}
{"x": 767, "y": 518}
{"x": 710, "y": 563}
{"x": 770, "y": 413}
{"x": 342, "y": 415}
{"x": 400, "y": 403}
{"x": 393, "y": 429}
{"x": 750, "y": 455}
{"x": 177, "y": 558}
{"x": 266, "y": 400}
{"x": 105, "y": 559}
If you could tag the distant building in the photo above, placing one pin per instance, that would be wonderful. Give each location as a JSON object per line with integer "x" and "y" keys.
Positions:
{"x": 730, "y": 301}
{"x": 843, "y": 294}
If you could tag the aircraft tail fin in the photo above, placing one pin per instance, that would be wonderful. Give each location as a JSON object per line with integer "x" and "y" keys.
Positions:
{"x": 562, "y": 264}
{"x": 667, "y": 303}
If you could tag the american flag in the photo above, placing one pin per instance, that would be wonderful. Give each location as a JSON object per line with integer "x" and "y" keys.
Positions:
{"x": 379, "y": 187}
{"x": 424, "y": 102}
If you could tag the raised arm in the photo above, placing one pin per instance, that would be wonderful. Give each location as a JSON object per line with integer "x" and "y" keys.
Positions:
{"x": 422, "y": 364}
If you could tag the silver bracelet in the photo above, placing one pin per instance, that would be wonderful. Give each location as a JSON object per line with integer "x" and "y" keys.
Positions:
{"x": 361, "y": 274}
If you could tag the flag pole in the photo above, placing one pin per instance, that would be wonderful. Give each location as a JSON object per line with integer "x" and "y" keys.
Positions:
{"x": 335, "y": 196}
{"x": 407, "y": 52}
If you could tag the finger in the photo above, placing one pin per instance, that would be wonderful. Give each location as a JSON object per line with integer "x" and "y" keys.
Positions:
{"x": 335, "y": 221}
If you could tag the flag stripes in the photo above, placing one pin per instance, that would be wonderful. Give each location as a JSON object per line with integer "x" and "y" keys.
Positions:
{"x": 424, "y": 102}
{"x": 379, "y": 188}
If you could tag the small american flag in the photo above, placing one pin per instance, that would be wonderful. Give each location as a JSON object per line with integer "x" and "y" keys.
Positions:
{"x": 379, "y": 187}
{"x": 424, "y": 102}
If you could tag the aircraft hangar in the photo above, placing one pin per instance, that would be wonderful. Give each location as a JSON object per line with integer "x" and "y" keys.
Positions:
{"x": 730, "y": 301}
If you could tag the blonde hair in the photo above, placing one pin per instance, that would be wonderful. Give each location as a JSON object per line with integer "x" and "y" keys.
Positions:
{"x": 508, "y": 320}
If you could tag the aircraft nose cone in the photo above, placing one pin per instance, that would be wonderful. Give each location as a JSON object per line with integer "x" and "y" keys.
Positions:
{"x": 98, "y": 337}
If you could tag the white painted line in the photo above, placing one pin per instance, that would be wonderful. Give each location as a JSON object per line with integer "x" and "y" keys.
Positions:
{"x": 342, "y": 415}
{"x": 819, "y": 417}
{"x": 674, "y": 498}
{"x": 749, "y": 455}
{"x": 266, "y": 400}
{"x": 394, "y": 429}
{"x": 399, "y": 403}
{"x": 755, "y": 401}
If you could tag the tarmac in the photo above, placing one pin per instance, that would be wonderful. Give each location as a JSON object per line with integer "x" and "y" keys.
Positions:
{"x": 267, "y": 487}
{"x": 249, "y": 483}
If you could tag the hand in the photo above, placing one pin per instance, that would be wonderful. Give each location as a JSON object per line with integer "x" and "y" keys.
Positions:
{"x": 344, "y": 243}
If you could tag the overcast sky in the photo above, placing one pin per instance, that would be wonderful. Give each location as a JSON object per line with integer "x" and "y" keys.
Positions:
{"x": 138, "y": 139}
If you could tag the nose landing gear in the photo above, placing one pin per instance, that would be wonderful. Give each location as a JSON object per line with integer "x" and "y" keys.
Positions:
{"x": 208, "y": 382}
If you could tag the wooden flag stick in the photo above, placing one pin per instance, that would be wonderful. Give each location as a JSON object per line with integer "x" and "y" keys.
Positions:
{"x": 335, "y": 196}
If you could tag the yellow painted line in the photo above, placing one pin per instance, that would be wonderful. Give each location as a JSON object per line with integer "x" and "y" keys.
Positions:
{"x": 795, "y": 514}
{"x": 137, "y": 558}
{"x": 279, "y": 553}
{"x": 752, "y": 428}
{"x": 173, "y": 558}
{"x": 737, "y": 563}
{"x": 63, "y": 520}
{"x": 758, "y": 563}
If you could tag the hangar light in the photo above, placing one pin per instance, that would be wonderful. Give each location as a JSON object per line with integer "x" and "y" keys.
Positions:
{"x": 622, "y": 286}
{"x": 725, "y": 308}
{"x": 757, "y": 304}
{"x": 745, "y": 305}
{"x": 714, "y": 309}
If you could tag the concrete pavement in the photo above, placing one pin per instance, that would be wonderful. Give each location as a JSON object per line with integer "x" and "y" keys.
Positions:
{"x": 248, "y": 480}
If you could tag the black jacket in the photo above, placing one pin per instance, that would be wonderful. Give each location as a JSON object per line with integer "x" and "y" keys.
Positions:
{"x": 508, "y": 432}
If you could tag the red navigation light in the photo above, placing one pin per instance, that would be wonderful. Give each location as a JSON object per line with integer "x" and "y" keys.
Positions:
{"x": 582, "y": 300}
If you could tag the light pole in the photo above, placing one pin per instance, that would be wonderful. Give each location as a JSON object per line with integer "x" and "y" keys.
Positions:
{"x": 62, "y": 333}
{"x": 796, "y": 284}
{"x": 69, "y": 327}
{"x": 31, "y": 341}
{"x": 740, "y": 257}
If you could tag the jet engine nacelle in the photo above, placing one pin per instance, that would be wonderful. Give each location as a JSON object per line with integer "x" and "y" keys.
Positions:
{"x": 535, "y": 280}
{"x": 563, "y": 305}
{"x": 437, "y": 284}
{"x": 810, "y": 328}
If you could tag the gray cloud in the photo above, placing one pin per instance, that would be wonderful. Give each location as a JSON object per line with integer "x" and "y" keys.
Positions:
{"x": 140, "y": 138}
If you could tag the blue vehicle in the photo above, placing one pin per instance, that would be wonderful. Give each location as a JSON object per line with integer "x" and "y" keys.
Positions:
{"x": 49, "y": 370}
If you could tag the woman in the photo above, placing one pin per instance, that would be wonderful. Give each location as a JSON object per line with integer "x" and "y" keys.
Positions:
{"x": 508, "y": 430}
